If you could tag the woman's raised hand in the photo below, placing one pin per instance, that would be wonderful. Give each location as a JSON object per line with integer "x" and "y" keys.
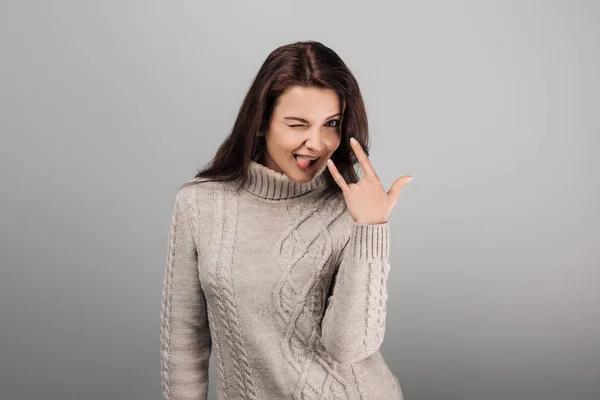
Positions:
{"x": 367, "y": 200}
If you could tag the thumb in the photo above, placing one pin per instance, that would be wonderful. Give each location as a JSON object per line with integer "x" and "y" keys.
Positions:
{"x": 397, "y": 187}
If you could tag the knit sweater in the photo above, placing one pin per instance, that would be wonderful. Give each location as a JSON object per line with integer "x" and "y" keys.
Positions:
{"x": 276, "y": 280}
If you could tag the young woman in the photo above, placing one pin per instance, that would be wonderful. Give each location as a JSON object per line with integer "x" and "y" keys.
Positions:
{"x": 277, "y": 260}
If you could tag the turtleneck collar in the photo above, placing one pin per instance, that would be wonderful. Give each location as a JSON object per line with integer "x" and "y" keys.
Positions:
{"x": 272, "y": 185}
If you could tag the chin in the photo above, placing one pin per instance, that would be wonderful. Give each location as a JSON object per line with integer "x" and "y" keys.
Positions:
{"x": 302, "y": 180}
{"x": 297, "y": 176}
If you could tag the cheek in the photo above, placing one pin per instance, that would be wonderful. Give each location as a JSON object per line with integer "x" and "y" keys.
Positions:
{"x": 333, "y": 141}
{"x": 281, "y": 140}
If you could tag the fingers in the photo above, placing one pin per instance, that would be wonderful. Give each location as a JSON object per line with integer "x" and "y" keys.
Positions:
{"x": 337, "y": 177}
{"x": 397, "y": 186}
{"x": 363, "y": 160}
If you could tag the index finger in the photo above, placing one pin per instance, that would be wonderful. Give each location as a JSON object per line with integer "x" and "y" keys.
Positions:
{"x": 363, "y": 160}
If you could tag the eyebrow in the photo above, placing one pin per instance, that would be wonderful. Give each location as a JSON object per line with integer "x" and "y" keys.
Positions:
{"x": 306, "y": 122}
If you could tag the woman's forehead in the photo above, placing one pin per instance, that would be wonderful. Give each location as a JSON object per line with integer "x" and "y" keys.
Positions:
{"x": 308, "y": 103}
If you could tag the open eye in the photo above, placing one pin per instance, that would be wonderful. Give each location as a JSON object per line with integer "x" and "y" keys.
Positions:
{"x": 337, "y": 123}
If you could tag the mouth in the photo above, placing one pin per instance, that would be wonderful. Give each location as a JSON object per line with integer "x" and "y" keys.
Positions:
{"x": 304, "y": 162}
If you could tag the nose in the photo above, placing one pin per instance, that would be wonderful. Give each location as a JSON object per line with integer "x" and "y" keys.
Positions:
{"x": 314, "y": 142}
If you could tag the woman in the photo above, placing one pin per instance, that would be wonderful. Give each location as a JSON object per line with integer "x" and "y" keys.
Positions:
{"x": 278, "y": 260}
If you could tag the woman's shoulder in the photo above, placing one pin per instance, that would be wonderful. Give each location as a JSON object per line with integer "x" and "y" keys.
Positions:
{"x": 198, "y": 191}
{"x": 200, "y": 186}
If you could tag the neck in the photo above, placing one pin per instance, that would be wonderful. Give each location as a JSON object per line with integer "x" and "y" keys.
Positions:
{"x": 272, "y": 185}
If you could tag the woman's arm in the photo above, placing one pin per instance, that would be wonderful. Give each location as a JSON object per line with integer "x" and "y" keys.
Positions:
{"x": 184, "y": 332}
{"x": 354, "y": 322}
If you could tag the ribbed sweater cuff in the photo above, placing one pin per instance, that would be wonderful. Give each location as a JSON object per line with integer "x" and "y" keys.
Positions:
{"x": 369, "y": 241}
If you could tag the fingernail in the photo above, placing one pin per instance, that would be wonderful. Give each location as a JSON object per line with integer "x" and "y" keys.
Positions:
{"x": 329, "y": 161}
{"x": 354, "y": 141}
{"x": 409, "y": 179}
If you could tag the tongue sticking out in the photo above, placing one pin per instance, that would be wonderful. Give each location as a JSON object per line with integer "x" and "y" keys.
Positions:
{"x": 302, "y": 162}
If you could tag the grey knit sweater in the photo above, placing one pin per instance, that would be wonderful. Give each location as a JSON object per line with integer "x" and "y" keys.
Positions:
{"x": 276, "y": 280}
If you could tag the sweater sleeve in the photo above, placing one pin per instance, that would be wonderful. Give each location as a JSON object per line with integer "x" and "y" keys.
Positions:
{"x": 353, "y": 325}
{"x": 184, "y": 331}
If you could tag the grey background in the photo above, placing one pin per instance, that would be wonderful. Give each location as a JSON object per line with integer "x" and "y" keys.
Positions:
{"x": 493, "y": 106}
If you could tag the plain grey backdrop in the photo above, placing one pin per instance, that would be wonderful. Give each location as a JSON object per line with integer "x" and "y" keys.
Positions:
{"x": 106, "y": 108}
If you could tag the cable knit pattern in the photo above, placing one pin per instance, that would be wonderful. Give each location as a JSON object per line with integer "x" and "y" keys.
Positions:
{"x": 218, "y": 300}
{"x": 224, "y": 272}
{"x": 278, "y": 280}
{"x": 165, "y": 314}
{"x": 184, "y": 333}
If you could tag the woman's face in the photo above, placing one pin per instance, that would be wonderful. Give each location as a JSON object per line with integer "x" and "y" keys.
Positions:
{"x": 306, "y": 121}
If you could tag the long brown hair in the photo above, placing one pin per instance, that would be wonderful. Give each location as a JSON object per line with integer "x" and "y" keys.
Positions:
{"x": 308, "y": 64}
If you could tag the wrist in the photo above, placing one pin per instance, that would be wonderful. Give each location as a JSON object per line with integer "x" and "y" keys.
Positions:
{"x": 369, "y": 222}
